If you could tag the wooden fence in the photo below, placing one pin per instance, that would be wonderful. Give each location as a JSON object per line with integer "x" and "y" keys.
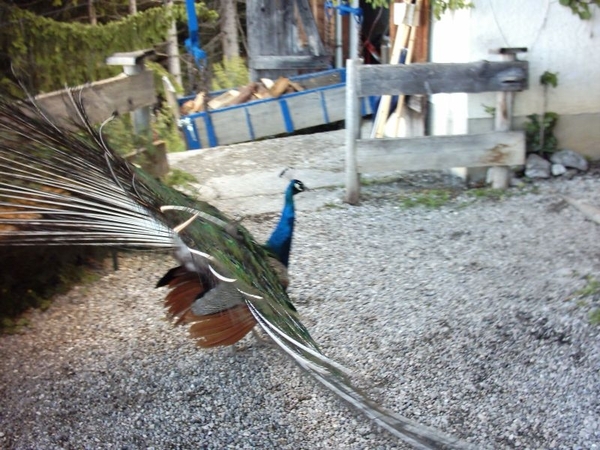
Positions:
{"x": 500, "y": 148}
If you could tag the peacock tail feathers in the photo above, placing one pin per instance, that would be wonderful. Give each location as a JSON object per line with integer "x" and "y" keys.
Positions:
{"x": 61, "y": 187}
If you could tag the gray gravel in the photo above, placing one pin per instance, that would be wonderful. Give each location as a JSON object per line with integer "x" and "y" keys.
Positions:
{"x": 463, "y": 317}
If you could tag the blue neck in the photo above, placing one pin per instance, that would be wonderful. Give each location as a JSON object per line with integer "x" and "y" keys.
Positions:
{"x": 280, "y": 242}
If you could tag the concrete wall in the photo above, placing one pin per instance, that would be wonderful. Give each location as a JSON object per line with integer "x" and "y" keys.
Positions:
{"x": 557, "y": 41}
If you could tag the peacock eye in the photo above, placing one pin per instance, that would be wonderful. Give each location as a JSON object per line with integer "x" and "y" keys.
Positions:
{"x": 299, "y": 186}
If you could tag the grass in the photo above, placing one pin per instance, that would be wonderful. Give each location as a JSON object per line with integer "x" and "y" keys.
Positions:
{"x": 594, "y": 316}
{"x": 591, "y": 289}
{"x": 432, "y": 198}
{"x": 178, "y": 177}
{"x": 333, "y": 205}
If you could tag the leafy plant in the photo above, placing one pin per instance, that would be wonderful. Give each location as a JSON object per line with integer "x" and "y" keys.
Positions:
{"x": 540, "y": 128}
{"x": 549, "y": 79}
{"x": 47, "y": 54}
{"x": 230, "y": 73}
{"x": 491, "y": 110}
{"x": 439, "y": 7}
{"x": 580, "y": 7}
{"x": 539, "y": 136}
{"x": 178, "y": 177}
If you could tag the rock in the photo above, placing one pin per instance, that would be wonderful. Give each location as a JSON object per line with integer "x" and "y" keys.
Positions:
{"x": 537, "y": 167}
{"x": 570, "y": 173}
{"x": 558, "y": 169}
{"x": 569, "y": 158}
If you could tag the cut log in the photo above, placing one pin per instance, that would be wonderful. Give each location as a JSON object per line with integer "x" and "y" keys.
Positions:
{"x": 225, "y": 99}
{"x": 279, "y": 87}
{"x": 267, "y": 82}
{"x": 245, "y": 94}
{"x": 262, "y": 92}
{"x": 297, "y": 87}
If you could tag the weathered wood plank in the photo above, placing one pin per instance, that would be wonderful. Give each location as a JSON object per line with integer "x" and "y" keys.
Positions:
{"x": 441, "y": 152}
{"x": 434, "y": 78}
{"x": 230, "y": 126}
{"x": 123, "y": 93}
{"x": 289, "y": 62}
{"x": 320, "y": 79}
{"x": 310, "y": 28}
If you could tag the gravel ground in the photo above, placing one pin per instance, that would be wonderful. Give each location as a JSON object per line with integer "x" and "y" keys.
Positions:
{"x": 462, "y": 317}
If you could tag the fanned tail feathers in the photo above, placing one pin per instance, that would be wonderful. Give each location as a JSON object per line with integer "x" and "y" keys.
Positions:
{"x": 58, "y": 187}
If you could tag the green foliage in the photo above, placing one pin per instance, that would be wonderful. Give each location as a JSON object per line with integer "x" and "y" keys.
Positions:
{"x": 47, "y": 55}
{"x": 165, "y": 128}
{"x": 379, "y": 3}
{"x": 533, "y": 133}
{"x": 439, "y": 7}
{"x": 592, "y": 287}
{"x": 539, "y": 134}
{"x": 160, "y": 72}
{"x": 433, "y": 198}
{"x": 230, "y": 73}
{"x": 491, "y": 110}
{"x": 36, "y": 274}
{"x": 581, "y": 7}
{"x": 177, "y": 177}
{"x": 549, "y": 79}
{"x": 120, "y": 134}
{"x": 489, "y": 193}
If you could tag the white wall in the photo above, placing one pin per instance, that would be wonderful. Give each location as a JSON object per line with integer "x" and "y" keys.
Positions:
{"x": 557, "y": 41}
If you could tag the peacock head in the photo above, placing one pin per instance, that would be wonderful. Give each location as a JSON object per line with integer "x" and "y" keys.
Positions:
{"x": 297, "y": 187}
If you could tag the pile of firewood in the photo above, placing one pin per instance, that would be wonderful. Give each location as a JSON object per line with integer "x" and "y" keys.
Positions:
{"x": 265, "y": 88}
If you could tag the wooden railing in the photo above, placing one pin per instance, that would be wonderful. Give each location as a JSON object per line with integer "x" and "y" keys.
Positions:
{"x": 499, "y": 148}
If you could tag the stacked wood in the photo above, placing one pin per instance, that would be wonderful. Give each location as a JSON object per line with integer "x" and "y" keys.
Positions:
{"x": 265, "y": 88}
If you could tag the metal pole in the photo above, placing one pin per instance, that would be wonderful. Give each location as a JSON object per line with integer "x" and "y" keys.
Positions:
{"x": 354, "y": 30}
{"x": 339, "y": 54}
{"x": 352, "y": 132}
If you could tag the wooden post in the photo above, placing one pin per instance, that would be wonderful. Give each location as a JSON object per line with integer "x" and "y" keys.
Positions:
{"x": 352, "y": 132}
{"x": 500, "y": 176}
{"x": 133, "y": 64}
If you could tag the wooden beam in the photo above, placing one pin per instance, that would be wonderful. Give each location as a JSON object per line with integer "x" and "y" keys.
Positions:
{"x": 310, "y": 28}
{"x": 434, "y": 78}
{"x": 500, "y": 176}
{"x": 289, "y": 62}
{"x": 123, "y": 94}
{"x": 441, "y": 152}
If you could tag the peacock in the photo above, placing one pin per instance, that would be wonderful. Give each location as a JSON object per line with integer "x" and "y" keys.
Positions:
{"x": 61, "y": 187}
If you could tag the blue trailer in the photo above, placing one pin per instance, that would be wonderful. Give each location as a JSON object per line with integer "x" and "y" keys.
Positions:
{"x": 321, "y": 102}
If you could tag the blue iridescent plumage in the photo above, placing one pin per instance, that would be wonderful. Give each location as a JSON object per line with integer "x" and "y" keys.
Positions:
{"x": 280, "y": 242}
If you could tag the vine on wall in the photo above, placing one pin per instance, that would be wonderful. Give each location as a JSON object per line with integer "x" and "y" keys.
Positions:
{"x": 581, "y": 7}
{"x": 46, "y": 54}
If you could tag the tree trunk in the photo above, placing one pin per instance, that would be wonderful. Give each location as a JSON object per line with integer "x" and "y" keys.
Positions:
{"x": 132, "y": 6}
{"x": 92, "y": 13}
{"x": 229, "y": 31}
{"x": 173, "y": 49}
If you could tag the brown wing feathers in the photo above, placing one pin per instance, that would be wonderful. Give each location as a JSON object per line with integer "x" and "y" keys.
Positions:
{"x": 222, "y": 328}
{"x": 209, "y": 330}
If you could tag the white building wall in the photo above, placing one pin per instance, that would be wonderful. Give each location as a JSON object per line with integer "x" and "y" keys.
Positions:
{"x": 557, "y": 41}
